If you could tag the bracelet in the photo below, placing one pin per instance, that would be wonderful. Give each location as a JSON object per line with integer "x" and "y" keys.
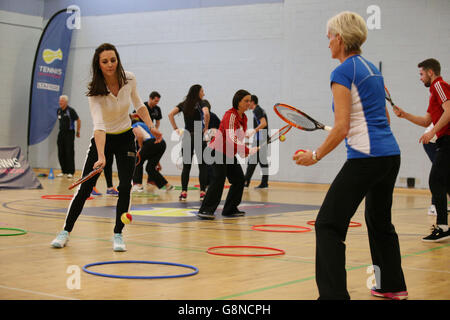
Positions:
{"x": 314, "y": 156}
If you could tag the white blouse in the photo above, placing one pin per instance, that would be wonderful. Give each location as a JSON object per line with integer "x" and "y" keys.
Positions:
{"x": 111, "y": 113}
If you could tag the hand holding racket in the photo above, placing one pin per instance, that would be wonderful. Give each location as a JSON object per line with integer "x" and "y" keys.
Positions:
{"x": 90, "y": 175}
{"x": 298, "y": 119}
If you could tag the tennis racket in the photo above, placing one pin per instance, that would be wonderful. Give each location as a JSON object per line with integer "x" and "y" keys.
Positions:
{"x": 276, "y": 136}
{"x": 138, "y": 157}
{"x": 91, "y": 174}
{"x": 297, "y": 118}
{"x": 388, "y": 96}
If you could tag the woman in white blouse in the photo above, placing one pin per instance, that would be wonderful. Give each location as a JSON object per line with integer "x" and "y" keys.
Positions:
{"x": 109, "y": 94}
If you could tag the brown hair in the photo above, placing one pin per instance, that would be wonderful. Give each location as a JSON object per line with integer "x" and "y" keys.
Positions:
{"x": 431, "y": 64}
{"x": 97, "y": 86}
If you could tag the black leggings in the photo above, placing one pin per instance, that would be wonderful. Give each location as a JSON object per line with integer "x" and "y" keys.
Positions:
{"x": 374, "y": 180}
{"x": 123, "y": 147}
{"x": 187, "y": 151}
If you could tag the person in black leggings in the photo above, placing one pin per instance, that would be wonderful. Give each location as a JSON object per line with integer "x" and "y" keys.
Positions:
{"x": 373, "y": 161}
{"x": 196, "y": 119}
{"x": 109, "y": 94}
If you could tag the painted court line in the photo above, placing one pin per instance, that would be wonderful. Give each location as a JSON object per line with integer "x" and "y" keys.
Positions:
{"x": 37, "y": 293}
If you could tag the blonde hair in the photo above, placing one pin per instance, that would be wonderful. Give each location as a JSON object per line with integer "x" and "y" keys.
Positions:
{"x": 352, "y": 29}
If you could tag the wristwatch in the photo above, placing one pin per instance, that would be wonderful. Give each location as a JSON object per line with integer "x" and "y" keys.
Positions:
{"x": 314, "y": 156}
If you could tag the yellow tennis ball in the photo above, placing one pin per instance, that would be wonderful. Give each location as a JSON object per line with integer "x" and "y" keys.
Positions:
{"x": 126, "y": 218}
{"x": 282, "y": 138}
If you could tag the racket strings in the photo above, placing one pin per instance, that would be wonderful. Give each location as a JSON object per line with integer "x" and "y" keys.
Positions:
{"x": 300, "y": 120}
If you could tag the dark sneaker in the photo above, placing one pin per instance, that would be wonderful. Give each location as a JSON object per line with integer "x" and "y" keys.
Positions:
{"x": 206, "y": 215}
{"x": 400, "y": 295}
{"x": 437, "y": 235}
{"x": 262, "y": 186}
{"x": 237, "y": 213}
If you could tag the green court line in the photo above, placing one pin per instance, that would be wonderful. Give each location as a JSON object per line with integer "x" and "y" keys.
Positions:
{"x": 313, "y": 277}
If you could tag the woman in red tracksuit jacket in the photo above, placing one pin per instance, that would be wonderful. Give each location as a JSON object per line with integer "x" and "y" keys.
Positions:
{"x": 228, "y": 141}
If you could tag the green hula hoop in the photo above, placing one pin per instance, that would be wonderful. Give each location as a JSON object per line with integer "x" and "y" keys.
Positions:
{"x": 21, "y": 232}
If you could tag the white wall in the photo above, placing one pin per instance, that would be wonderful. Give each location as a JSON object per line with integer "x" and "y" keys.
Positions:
{"x": 277, "y": 51}
{"x": 19, "y": 34}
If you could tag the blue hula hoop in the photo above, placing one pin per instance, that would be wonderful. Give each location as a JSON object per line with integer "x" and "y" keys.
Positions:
{"x": 85, "y": 269}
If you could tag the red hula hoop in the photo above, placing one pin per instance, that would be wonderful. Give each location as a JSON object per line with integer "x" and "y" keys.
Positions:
{"x": 279, "y": 251}
{"x": 351, "y": 225}
{"x": 61, "y": 197}
{"x": 303, "y": 229}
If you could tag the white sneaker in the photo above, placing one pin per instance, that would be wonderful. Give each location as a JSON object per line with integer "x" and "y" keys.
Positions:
{"x": 60, "y": 174}
{"x": 119, "y": 245}
{"x": 432, "y": 210}
{"x": 69, "y": 176}
{"x": 137, "y": 188}
{"x": 61, "y": 240}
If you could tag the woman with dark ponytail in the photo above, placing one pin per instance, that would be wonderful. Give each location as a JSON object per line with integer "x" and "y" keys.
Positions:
{"x": 196, "y": 119}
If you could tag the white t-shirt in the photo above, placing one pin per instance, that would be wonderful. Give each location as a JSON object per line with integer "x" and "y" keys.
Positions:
{"x": 110, "y": 113}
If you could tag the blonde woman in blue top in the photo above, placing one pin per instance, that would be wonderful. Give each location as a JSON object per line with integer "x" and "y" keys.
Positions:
{"x": 370, "y": 172}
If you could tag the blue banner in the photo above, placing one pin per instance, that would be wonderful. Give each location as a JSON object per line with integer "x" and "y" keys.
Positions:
{"x": 48, "y": 76}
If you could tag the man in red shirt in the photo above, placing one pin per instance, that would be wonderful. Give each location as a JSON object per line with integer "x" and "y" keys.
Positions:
{"x": 438, "y": 112}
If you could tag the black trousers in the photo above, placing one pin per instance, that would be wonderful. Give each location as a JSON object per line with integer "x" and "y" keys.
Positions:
{"x": 374, "y": 180}
{"x": 152, "y": 153}
{"x": 66, "y": 151}
{"x": 227, "y": 169}
{"x": 123, "y": 147}
{"x": 187, "y": 150}
{"x": 439, "y": 179}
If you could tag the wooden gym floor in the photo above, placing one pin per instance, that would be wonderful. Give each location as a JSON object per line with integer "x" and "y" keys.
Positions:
{"x": 166, "y": 231}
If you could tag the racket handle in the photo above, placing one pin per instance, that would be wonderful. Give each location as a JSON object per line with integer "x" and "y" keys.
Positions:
{"x": 327, "y": 128}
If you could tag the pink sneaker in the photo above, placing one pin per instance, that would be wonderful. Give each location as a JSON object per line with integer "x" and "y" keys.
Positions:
{"x": 401, "y": 295}
{"x": 183, "y": 196}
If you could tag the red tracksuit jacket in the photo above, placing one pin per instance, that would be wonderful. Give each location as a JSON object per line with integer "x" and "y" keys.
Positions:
{"x": 229, "y": 139}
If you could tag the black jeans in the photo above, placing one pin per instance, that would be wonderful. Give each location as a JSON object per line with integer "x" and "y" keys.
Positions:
{"x": 374, "y": 180}
{"x": 439, "y": 179}
{"x": 227, "y": 169}
{"x": 123, "y": 147}
{"x": 66, "y": 151}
